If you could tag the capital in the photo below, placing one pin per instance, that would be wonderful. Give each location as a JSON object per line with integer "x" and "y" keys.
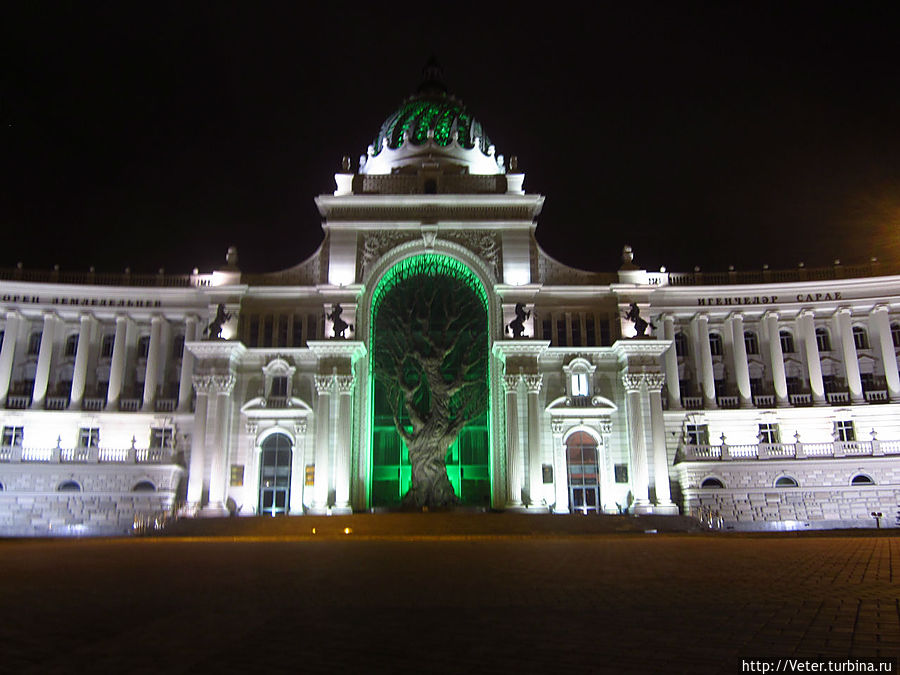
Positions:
{"x": 344, "y": 384}
{"x": 533, "y": 383}
{"x": 510, "y": 382}
{"x": 300, "y": 427}
{"x": 323, "y": 384}
{"x": 632, "y": 381}
{"x": 556, "y": 425}
{"x": 654, "y": 381}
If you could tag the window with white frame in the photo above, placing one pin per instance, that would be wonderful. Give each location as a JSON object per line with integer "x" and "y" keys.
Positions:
{"x": 823, "y": 340}
{"x": 787, "y": 342}
{"x": 279, "y": 388}
{"x": 88, "y": 437}
{"x": 715, "y": 344}
{"x": 860, "y": 337}
{"x": 844, "y": 431}
{"x": 162, "y": 437}
{"x": 696, "y": 434}
{"x": 580, "y": 384}
{"x": 12, "y": 436}
{"x": 768, "y": 432}
{"x": 751, "y": 342}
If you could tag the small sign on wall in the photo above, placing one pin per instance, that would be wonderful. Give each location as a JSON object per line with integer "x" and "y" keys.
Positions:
{"x": 310, "y": 474}
{"x": 237, "y": 475}
{"x": 621, "y": 473}
{"x": 546, "y": 474}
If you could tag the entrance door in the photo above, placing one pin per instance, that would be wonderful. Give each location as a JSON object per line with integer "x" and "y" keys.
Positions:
{"x": 584, "y": 475}
{"x": 275, "y": 475}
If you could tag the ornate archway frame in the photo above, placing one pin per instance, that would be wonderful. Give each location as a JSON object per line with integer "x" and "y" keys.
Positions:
{"x": 375, "y": 273}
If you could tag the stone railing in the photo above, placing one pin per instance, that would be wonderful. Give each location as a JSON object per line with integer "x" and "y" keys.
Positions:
{"x": 86, "y": 455}
{"x": 837, "y": 397}
{"x": 18, "y": 401}
{"x": 767, "y": 276}
{"x": 877, "y": 396}
{"x": 800, "y": 400}
{"x": 724, "y": 452}
{"x": 797, "y": 400}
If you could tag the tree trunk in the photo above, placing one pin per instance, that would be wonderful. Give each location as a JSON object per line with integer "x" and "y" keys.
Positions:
{"x": 430, "y": 485}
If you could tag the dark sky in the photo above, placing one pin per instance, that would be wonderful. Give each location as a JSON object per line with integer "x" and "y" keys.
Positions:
{"x": 155, "y": 135}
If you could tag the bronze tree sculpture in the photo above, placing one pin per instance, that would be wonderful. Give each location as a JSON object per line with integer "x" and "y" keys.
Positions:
{"x": 431, "y": 359}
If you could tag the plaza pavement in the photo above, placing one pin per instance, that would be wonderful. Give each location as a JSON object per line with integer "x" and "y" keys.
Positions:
{"x": 424, "y": 597}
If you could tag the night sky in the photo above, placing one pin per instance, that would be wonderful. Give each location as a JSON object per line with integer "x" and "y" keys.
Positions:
{"x": 156, "y": 135}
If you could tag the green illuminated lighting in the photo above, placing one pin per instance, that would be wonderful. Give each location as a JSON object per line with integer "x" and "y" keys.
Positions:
{"x": 419, "y": 116}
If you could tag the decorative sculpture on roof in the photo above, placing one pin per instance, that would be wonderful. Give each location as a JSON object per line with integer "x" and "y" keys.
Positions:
{"x": 337, "y": 322}
{"x": 214, "y": 329}
{"x": 640, "y": 324}
{"x": 517, "y": 325}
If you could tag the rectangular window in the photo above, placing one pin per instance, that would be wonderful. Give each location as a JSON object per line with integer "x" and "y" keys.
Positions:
{"x": 279, "y": 387}
{"x": 756, "y": 386}
{"x": 605, "y": 340}
{"x": 696, "y": 434}
{"x": 162, "y": 437}
{"x": 178, "y": 347}
{"x": 561, "y": 333}
{"x": 12, "y": 436}
{"x": 268, "y": 331}
{"x": 768, "y": 433}
{"x": 253, "y": 338}
{"x": 71, "y": 345}
{"x": 794, "y": 385}
{"x": 143, "y": 347}
{"x": 576, "y": 331}
{"x": 282, "y": 331}
{"x": 297, "y": 335}
{"x": 106, "y": 347}
{"x": 843, "y": 430}
{"x": 589, "y": 332}
{"x": 546, "y": 329}
{"x": 868, "y": 381}
{"x": 580, "y": 384}
{"x": 311, "y": 333}
{"x": 34, "y": 344}
{"x": 830, "y": 383}
{"x": 88, "y": 437}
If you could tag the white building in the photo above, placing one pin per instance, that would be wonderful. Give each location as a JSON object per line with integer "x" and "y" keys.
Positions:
{"x": 116, "y": 407}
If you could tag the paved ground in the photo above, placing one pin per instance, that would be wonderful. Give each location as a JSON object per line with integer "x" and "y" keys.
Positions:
{"x": 616, "y": 603}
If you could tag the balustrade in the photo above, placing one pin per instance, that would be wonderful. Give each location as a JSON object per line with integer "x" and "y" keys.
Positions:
{"x": 764, "y": 451}
{"x": 84, "y": 455}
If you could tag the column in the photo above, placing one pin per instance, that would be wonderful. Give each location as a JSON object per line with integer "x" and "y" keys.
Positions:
{"x": 533, "y": 385}
{"x": 218, "y": 472}
{"x": 8, "y": 352}
{"x": 513, "y": 456}
{"x": 704, "y": 362}
{"x": 82, "y": 352}
{"x": 848, "y": 351}
{"x": 323, "y": 428}
{"x": 187, "y": 366}
{"x": 607, "y": 470}
{"x": 813, "y": 362}
{"x": 154, "y": 357}
{"x": 741, "y": 367}
{"x": 45, "y": 356}
{"x": 886, "y": 350}
{"x": 776, "y": 358}
{"x": 660, "y": 456}
{"x": 560, "y": 469}
{"x": 203, "y": 385}
{"x": 298, "y": 468}
{"x": 671, "y": 363}
{"x": 342, "y": 447}
{"x": 117, "y": 363}
{"x": 640, "y": 479}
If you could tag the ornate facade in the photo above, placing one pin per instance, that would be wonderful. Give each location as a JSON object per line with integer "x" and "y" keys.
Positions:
{"x": 754, "y": 401}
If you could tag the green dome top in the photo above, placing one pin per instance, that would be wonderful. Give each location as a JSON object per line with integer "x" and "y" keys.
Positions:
{"x": 439, "y": 115}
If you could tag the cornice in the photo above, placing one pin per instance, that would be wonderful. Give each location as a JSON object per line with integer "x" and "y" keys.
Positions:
{"x": 350, "y": 349}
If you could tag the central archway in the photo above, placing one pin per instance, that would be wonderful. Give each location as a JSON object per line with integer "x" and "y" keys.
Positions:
{"x": 429, "y": 361}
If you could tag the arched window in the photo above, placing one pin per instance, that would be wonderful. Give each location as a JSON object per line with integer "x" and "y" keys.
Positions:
{"x": 144, "y": 486}
{"x": 584, "y": 478}
{"x": 712, "y": 483}
{"x": 787, "y": 342}
{"x": 862, "y": 479}
{"x": 68, "y": 486}
{"x": 71, "y": 345}
{"x": 751, "y": 343}
{"x": 715, "y": 344}
{"x": 860, "y": 337}
{"x": 823, "y": 340}
{"x": 275, "y": 475}
{"x": 786, "y": 481}
{"x": 680, "y": 344}
{"x": 895, "y": 334}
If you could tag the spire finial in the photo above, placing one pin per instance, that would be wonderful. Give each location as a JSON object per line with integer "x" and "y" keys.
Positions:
{"x": 432, "y": 78}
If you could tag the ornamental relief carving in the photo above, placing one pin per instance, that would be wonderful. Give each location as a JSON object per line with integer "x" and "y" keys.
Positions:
{"x": 219, "y": 384}
{"x": 654, "y": 381}
{"x": 632, "y": 381}
{"x": 486, "y": 245}
{"x": 323, "y": 384}
{"x": 533, "y": 383}
{"x": 510, "y": 382}
{"x": 345, "y": 383}
{"x": 373, "y": 245}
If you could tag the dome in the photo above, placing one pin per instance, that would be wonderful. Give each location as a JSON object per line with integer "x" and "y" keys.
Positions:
{"x": 431, "y": 127}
